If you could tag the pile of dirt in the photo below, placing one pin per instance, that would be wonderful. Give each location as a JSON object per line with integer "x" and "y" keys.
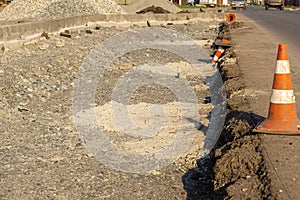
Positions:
{"x": 54, "y": 9}
{"x": 239, "y": 169}
{"x": 143, "y": 4}
{"x": 236, "y": 167}
{"x": 153, "y": 9}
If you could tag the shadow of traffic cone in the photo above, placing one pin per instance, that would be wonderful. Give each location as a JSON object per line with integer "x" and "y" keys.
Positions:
{"x": 218, "y": 54}
{"x": 282, "y": 117}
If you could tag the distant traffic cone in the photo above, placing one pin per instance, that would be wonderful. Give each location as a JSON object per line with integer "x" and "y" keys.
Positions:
{"x": 217, "y": 55}
{"x": 282, "y": 117}
{"x": 230, "y": 17}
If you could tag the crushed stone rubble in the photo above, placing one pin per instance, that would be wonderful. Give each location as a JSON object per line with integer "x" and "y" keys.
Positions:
{"x": 40, "y": 146}
{"x": 55, "y": 9}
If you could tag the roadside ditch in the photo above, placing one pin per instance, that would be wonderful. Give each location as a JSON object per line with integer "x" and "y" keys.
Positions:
{"x": 236, "y": 167}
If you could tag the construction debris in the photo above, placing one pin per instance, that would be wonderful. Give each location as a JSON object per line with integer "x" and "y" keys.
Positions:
{"x": 45, "y": 35}
{"x": 66, "y": 33}
{"x": 89, "y": 31}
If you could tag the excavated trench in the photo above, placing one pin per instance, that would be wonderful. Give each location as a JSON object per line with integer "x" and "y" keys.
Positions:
{"x": 236, "y": 167}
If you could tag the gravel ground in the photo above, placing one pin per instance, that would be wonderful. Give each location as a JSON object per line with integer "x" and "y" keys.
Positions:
{"x": 54, "y": 9}
{"x": 42, "y": 154}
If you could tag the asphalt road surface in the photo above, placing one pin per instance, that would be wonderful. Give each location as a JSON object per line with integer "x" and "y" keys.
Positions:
{"x": 282, "y": 27}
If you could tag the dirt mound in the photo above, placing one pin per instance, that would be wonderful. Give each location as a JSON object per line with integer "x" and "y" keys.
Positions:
{"x": 236, "y": 167}
{"x": 142, "y": 4}
{"x": 240, "y": 170}
{"x": 153, "y": 9}
{"x": 54, "y": 9}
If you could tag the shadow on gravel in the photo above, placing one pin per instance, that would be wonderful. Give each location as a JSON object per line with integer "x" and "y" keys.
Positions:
{"x": 200, "y": 182}
{"x": 198, "y": 125}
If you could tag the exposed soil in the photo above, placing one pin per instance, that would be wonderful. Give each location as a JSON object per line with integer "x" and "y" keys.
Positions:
{"x": 236, "y": 167}
{"x": 153, "y": 9}
{"x": 143, "y": 4}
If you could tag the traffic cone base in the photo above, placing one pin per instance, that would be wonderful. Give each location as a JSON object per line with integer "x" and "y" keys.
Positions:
{"x": 282, "y": 119}
{"x": 283, "y": 127}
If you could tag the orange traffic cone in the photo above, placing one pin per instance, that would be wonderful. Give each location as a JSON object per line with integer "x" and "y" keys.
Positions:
{"x": 282, "y": 117}
{"x": 230, "y": 17}
{"x": 218, "y": 53}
